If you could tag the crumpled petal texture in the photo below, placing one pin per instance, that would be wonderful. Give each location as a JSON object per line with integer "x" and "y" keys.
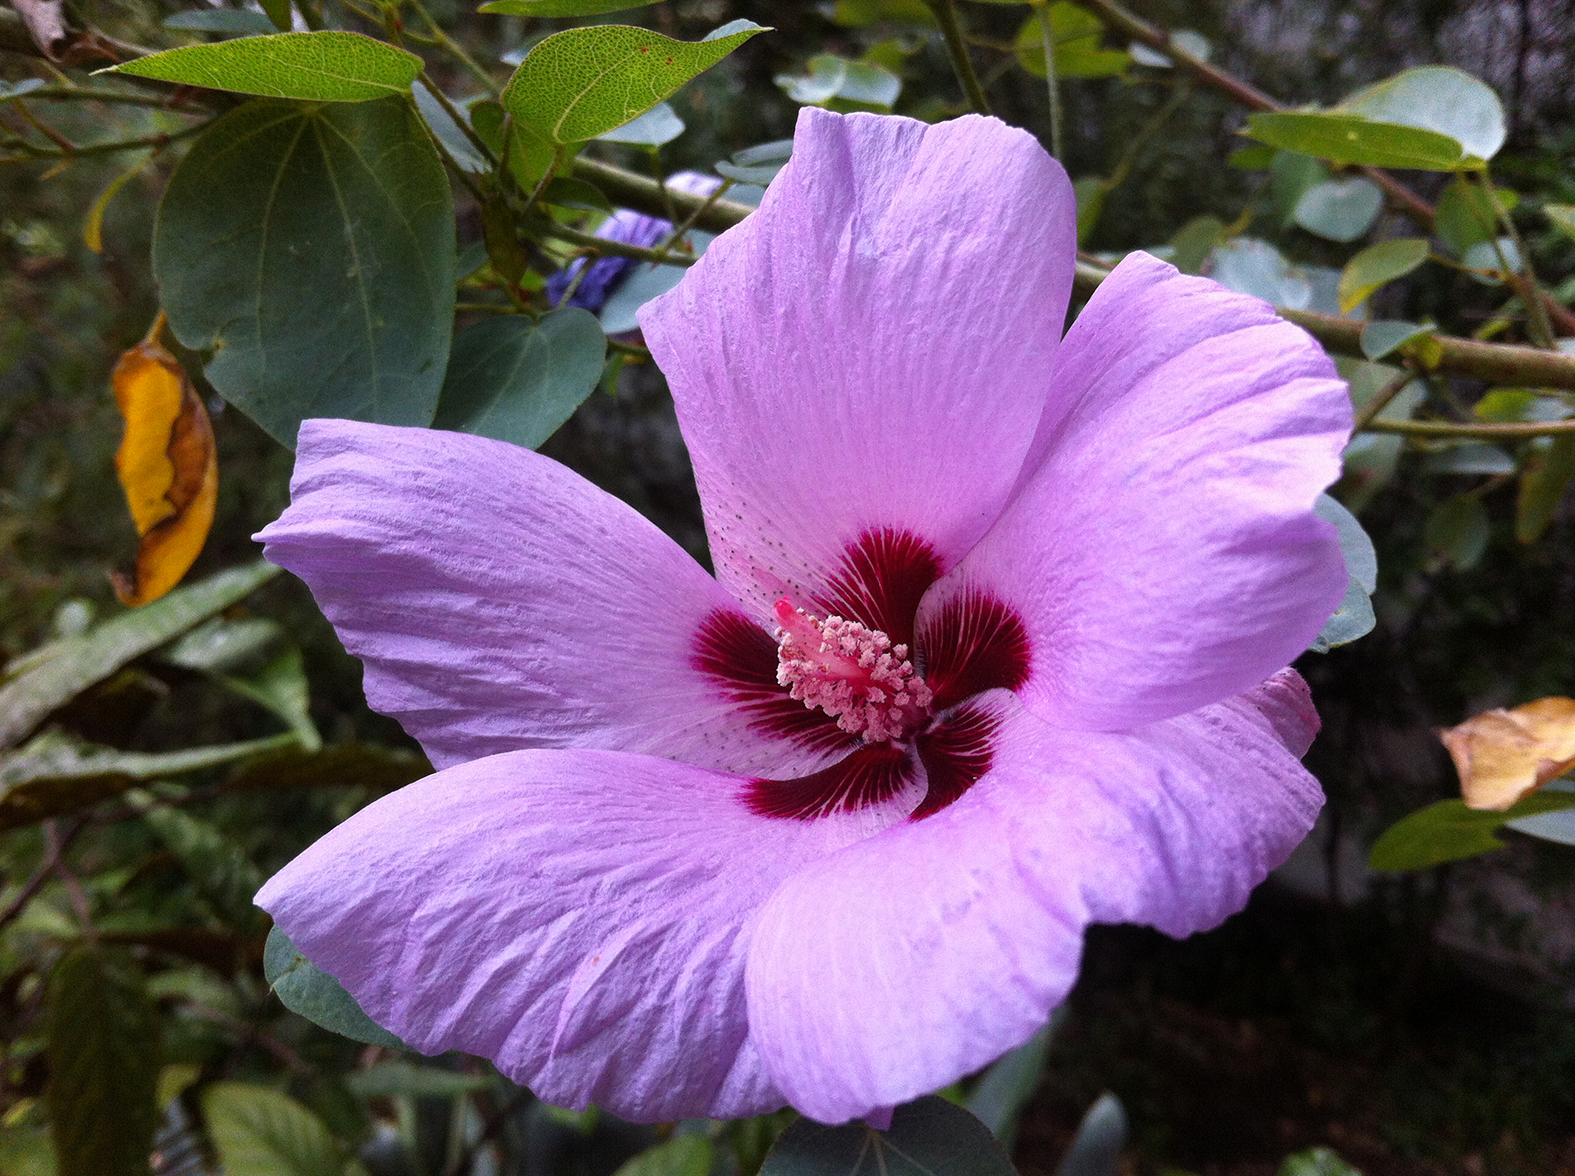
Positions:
{"x": 581, "y": 918}
{"x": 604, "y": 914}
{"x": 500, "y": 601}
{"x": 863, "y": 352}
{"x": 1163, "y": 551}
{"x": 902, "y": 962}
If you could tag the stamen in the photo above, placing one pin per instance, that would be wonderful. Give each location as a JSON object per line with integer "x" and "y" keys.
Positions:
{"x": 854, "y": 674}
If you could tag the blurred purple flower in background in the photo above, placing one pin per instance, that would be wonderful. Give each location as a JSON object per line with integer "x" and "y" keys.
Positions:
{"x": 630, "y": 228}
{"x": 994, "y": 651}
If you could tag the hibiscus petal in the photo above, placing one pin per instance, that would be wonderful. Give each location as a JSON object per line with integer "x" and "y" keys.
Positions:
{"x": 1164, "y": 554}
{"x": 861, "y": 354}
{"x": 580, "y": 918}
{"x": 899, "y": 964}
{"x": 501, "y": 601}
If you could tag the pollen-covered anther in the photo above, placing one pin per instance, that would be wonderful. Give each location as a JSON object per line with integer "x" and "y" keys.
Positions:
{"x": 854, "y": 674}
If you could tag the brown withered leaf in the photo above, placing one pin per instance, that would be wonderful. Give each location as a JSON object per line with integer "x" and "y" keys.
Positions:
{"x": 167, "y": 464}
{"x": 1504, "y": 755}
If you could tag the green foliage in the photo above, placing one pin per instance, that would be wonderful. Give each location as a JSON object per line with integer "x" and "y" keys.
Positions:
{"x": 1317, "y": 1161}
{"x": 683, "y": 1155}
{"x": 839, "y": 84}
{"x": 1378, "y": 265}
{"x": 1077, "y": 35}
{"x": 59, "y": 672}
{"x": 314, "y": 994}
{"x": 260, "y": 1132}
{"x": 545, "y": 8}
{"x": 1448, "y": 831}
{"x": 327, "y": 66}
{"x": 317, "y": 265}
{"x": 104, "y": 1048}
{"x": 925, "y": 1137}
{"x": 518, "y": 380}
{"x": 1350, "y": 138}
{"x": 1096, "y": 1148}
{"x": 581, "y": 83}
{"x": 1340, "y": 210}
{"x": 1437, "y": 98}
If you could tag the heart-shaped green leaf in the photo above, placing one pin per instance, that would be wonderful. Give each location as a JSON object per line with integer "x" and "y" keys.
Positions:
{"x": 317, "y": 262}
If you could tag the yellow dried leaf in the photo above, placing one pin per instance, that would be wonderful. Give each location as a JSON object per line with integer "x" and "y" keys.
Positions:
{"x": 168, "y": 467}
{"x": 1504, "y": 755}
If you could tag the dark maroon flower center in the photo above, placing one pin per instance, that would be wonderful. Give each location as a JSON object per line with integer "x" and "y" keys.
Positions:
{"x": 853, "y": 673}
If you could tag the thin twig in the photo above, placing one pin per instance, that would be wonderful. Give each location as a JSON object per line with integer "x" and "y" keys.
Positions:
{"x": 458, "y": 50}
{"x": 459, "y": 118}
{"x": 603, "y": 246}
{"x": 55, "y": 848}
{"x": 1483, "y": 432}
{"x": 162, "y": 139}
{"x": 1382, "y": 401}
{"x": 52, "y": 852}
{"x": 1052, "y": 83}
{"x": 93, "y": 94}
{"x": 956, "y": 45}
{"x": 466, "y": 1159}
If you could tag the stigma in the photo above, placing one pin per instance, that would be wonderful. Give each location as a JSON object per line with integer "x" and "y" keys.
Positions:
{"x": 854, "y": 674}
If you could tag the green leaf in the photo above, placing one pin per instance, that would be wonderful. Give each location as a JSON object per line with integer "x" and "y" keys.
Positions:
{"x": 1006, "y": 1086}
{"x": 104, "y": 1058}
{"x": 644, "y": 283}
{"x": 260, "y": 1132}
{"x": 221, "y": 644}
{"x": 656, "y": 126}
{"x": 1548, "y": 473}
{"x": 326, "y": 66}
{"x": 1377, "y": 265}
{"x": 1291, "y": 174}
{"x": 1188, "y": 41}
{"x": 306, "y": 989}
{"x": 1470, "y": 457}
{"x": 55, "y": 774}
{"x": 1340, "y": 210}
{"x": 221, "y": 20}
{"x": 1096, "y": 1148}
{"x": 1354, "y": 618}
{"x": 1436, "y": 98}
{"x": 1448, "y": 831}
{"x": 345, "y": 765}
{"x": 518, "y": 380}
{"x": 218, "y": 867}
{"x": 27, "y": 1150}
{"x": 1558, "y": 827}
{"x": 1078, "y": 36}
{"x": 682, "y": 1155}
{"x": 1386, "y": 336}
{"x": 842, "y": 85}
{"x": 69, "y": 667}
{"x": 1349, "y": 138}
{"x": 1465, "y": 217}
{"x": 317, "y": 262}
{"x": 581, "y": 83}
{"x": 758, "y": 164}
{"x": 1562, "y": 217}
{"x": 1317, "y": 1161}
{"x": 1089, "y": 192}
{"x": 448, "y": 131}
{"x": 1458, "y": 530}
{"x": 926, "y": 1137}
{"x": 281, "y": 687}
{"x": 547, "y": 8}
{"x": 278, "y": 13}
{"x": 1252, "y": 158}
{"x": 531, "y": 155}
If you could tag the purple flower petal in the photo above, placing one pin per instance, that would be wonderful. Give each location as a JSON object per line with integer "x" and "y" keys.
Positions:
{"x": 500, "y": 601}
{"x": 1164, "y": 553}
{"x": 580, "y": 918}
{"x": 899, "y": 964}
{"x": 862, "y": 354}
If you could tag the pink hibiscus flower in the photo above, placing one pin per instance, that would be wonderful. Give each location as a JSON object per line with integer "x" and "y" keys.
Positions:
{"x": 994, "y": 651}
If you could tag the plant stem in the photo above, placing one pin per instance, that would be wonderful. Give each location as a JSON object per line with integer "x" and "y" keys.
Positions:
{"x": 1484, "y": 432}
{"x": 1529, "y": 289}
{"x": 1382, "y": 401}
{"x": 601, "y": 245}
{"x": 89, "y": 94}
{"x": 1052, "y": 84}
{"x": 946, "y": 17}
{"x": 458, "y": 50}
{"x": 162, "y": 139}
{"x": 635, "y": 191}
{"x": 1403, "y": 198}
{"x": 459, "y": 118}
{"x": 1492, "y": 363}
